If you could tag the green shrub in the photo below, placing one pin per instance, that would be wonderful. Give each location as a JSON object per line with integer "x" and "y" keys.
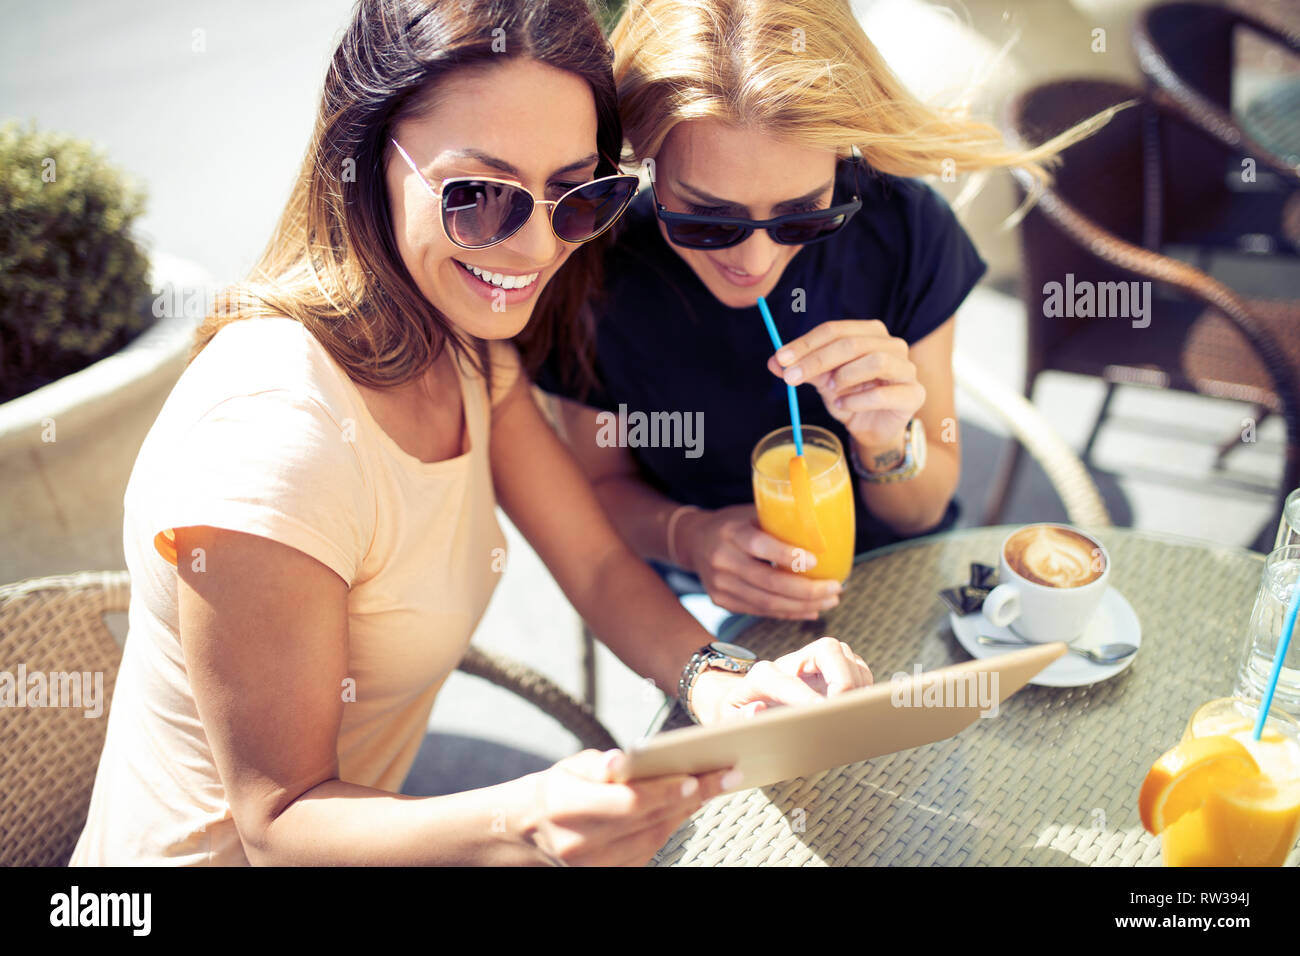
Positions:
{"x": 73, "y": 283}
{"x": 608, "y": 12}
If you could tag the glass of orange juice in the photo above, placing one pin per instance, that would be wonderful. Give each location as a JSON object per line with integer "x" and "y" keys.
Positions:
{"x": 832, "y": 491}
{"x": 1224, "y": 809}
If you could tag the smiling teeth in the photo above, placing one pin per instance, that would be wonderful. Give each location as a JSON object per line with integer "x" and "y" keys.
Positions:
{"x": 500, "y": 280}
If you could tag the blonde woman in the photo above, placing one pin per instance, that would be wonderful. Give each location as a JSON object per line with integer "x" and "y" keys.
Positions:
{"x": 310, "y": 524}
{"x": 747, "y": 114}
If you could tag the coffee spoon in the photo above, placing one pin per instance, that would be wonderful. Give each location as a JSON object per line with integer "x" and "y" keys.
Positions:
{"x": 1106, "y": 654}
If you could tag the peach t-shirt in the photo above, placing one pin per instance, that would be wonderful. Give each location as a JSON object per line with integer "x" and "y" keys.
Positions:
{"x": 264, "y": 433}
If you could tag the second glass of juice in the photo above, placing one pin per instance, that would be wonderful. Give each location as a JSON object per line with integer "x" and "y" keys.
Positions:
{"x": 1255, "y": 825}
{"x": 832, "y": 492}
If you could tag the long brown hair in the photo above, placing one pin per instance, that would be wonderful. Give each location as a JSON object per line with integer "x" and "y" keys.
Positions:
{"x": 332, "y": 262}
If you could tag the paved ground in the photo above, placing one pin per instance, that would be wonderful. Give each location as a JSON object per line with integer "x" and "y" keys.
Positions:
{"x": 210, "y": 105}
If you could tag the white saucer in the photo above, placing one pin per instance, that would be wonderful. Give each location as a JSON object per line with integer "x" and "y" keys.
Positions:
{"x": 1114, "y": 623}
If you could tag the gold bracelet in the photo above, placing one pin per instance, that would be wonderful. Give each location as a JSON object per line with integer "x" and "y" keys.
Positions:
{"x": 672, "y": 520}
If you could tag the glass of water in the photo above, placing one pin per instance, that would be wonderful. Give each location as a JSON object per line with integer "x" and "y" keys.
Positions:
{"x": 1288, "y": 529}
{"x": 1280, "y": 580}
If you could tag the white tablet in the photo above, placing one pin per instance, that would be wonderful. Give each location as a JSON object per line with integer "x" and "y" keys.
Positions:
{"x": 887, "y": 717}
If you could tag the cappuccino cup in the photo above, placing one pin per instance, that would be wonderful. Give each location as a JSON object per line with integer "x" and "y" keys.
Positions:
{"x": 1052, "y": 578}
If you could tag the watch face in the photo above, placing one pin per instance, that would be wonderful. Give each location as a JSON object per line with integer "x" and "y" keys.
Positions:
{"x": 734, "y": 650}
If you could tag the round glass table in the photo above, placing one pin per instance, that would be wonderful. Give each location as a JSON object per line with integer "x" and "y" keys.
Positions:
{"x": 1052, "y": 780}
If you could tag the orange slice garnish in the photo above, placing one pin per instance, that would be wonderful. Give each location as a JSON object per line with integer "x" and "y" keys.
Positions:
{"x": 801, "y": 487}
{"x": 1182, "y": 778}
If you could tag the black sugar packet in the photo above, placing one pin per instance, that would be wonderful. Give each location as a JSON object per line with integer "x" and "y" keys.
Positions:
{"x": 969, "y": 598}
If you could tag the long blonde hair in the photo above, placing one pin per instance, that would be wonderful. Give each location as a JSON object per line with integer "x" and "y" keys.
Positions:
{"x": 802, "y": 71}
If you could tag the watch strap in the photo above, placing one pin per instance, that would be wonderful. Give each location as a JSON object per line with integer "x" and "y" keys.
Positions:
{"x": 905, "y": 469}
{"x": 704, "y": 658}
{"x": 687, "y": 680}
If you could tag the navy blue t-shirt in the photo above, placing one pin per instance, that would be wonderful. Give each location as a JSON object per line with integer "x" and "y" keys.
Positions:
{"x": 665, "y": 344}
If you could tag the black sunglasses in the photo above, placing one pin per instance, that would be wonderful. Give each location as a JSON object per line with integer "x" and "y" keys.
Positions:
{"x": 793, "y": 229}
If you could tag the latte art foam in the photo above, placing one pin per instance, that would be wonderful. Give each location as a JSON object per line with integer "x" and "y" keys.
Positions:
{"x": 1054, "y": 557}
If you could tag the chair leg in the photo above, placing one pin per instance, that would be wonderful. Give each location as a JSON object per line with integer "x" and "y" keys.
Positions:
{"x": 1000, "y": 487}
{"x": 588, "y": 667}
{"x": 1263, "y": 542}
{"x": 1261, "y": 413}
{"x": 1086, "y": 454}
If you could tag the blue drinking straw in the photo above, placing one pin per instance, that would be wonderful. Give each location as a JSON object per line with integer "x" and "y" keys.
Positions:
{"x": 1283, "y": 642}
{"x": 789, "y": 389}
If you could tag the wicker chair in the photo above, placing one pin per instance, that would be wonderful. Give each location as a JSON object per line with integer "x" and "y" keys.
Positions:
{"x": 48, "y": 756}
{"x": 1091, "y": 224}
{"x": 1185, "y": 51}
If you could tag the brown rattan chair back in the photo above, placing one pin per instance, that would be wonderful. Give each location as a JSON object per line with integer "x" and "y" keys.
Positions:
{"x": 1095, "y": 225}
{"x": 1186, "y": 52}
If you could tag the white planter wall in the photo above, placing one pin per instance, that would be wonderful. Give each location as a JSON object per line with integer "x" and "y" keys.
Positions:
{"x": 61, "y": 500}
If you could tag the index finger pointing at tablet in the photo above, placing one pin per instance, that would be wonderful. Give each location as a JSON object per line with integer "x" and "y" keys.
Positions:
{"x": 839, "y": 668}
{"x": 770, "y": 684}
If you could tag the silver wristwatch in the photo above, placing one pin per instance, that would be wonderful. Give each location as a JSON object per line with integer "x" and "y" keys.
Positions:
{"x": 911, "y": 465}
{"x": 720, "y": 655}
